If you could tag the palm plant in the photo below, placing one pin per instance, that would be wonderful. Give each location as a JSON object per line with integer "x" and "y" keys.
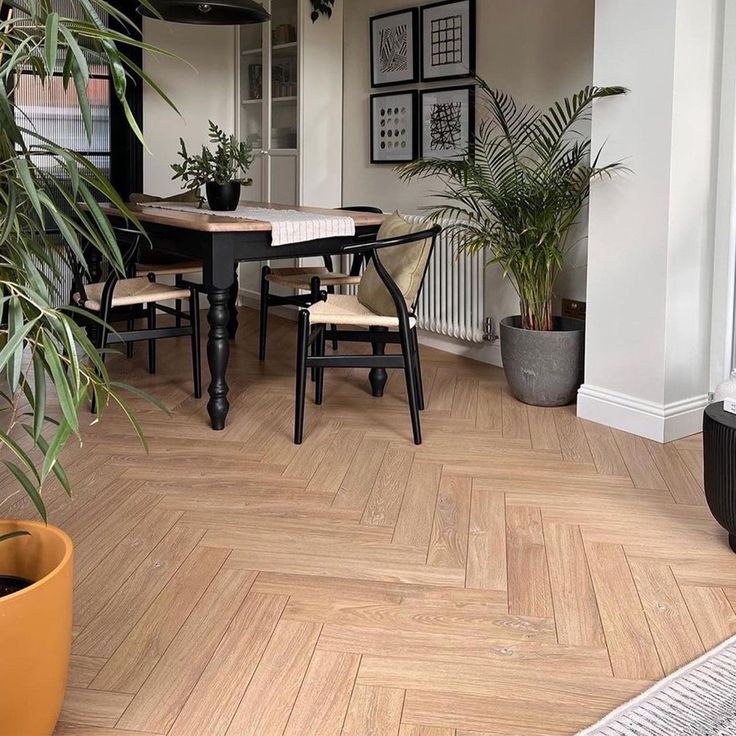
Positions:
{"x": 522, "y": 189}
{"x": 46, "y": 358}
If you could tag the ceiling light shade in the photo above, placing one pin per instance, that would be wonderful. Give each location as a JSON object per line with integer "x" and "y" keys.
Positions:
{"x": 208, "y": 12}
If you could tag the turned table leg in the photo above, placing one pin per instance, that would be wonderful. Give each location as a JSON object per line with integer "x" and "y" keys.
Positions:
{"x": 218, "y": 354}
{"x": 378, "y": 376}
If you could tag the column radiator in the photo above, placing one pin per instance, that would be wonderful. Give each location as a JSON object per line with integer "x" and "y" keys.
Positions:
{"x": 452, "y": 301}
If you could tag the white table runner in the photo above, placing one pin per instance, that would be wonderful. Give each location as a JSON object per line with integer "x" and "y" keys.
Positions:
{"x": 287, "y": 226}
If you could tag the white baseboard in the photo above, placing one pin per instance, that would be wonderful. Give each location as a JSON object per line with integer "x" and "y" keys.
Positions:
{"x": 659, "y": 422}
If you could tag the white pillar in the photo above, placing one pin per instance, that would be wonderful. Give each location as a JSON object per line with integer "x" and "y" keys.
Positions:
{"x": 650, "y": 272}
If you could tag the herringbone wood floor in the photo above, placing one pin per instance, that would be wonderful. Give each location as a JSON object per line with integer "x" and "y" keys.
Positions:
{"x": 519, "y": 574}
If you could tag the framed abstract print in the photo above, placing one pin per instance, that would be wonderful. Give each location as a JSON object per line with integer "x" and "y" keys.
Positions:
{"x": 448, "y": 40}
{"x": 394, "y": 127}
{"x": 395, "y": 48}
{"x": 448, "y": 121}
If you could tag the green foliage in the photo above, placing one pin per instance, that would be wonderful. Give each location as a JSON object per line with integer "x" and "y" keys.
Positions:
{"x": 521, "y": 191}
{"x": 230, "y": 159}
{"x": 322, "y": 7}
{"x": 46, "y": 359}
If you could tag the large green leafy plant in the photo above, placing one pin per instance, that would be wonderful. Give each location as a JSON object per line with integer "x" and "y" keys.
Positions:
{"x": 520, "y": 191}
{"x": 50, "y": 367}
{"x": 230, "y": 160}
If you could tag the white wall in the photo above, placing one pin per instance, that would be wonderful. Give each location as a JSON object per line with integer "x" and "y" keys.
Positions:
{"x": 201, "y": 83}
{"x": 651, "y": 231}
{"x": 538, "y": 50}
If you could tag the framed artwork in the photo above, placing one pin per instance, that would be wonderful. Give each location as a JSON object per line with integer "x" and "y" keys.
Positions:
{"x": 448, "y": 120}
{"x": 448, "y": 40}
{"x": 395, "y": 48}
{"x": 394, "y": 127}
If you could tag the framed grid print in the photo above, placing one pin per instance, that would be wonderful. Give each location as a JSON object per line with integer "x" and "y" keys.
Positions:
{"x": 448, "y": 121}
{"x": 395, "y": 48}
{"x": 394, "y": 137}
{"x": 448, "y": 40}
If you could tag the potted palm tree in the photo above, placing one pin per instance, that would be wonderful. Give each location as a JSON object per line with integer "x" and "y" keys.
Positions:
{"x": 518, "y": 197}
{"x": 221, "y": 172}
{"x": 48, "y": 207}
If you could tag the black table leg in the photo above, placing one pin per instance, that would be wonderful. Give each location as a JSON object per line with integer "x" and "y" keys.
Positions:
{"x": 218, "y": 354}
{"x": 232, "y": 304}
{"x": 378, "y": 376}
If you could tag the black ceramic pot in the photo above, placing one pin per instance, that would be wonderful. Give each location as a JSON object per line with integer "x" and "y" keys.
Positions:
{"x": 223, "y": 197}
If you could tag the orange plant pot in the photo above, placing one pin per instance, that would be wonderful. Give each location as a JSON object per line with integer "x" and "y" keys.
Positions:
{"x": 35, "y": 628}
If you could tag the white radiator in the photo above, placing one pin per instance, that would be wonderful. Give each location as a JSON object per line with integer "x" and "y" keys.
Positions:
{"x": 452, "y": 301}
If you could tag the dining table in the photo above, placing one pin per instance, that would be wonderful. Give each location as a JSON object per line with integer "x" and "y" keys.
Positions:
{"x": 221, "y": 242}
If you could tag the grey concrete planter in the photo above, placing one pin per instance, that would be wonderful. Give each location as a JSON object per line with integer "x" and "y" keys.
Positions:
{"x": 543, "y": 368}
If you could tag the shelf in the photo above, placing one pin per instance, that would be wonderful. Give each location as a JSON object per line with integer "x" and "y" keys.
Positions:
{"x": 251, "y": 102}
{"x": 284, "y": 46}
{"x": 276, "y": 100}
{"x": 251, "y": 52}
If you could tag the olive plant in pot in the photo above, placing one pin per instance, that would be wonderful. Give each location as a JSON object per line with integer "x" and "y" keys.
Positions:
{"x": 221, "y": 172}
{"x": 518, "y": 197}
{"x": 48, "y": 366}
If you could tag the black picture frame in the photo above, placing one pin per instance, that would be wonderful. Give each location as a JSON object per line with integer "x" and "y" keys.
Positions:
{"x": 467, "y": 143}
{"x": 411, "y": 76}
{"x": 403, "y": 154}
{"x": 448, "y": 44}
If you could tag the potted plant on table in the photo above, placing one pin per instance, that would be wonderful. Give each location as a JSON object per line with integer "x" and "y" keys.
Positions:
{"x": 221, "y": 172}
{"x": 519, "y": 197}
{"x": 49, "y": 368}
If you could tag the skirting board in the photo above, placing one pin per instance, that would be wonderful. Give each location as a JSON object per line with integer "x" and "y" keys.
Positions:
{"x": 486, "y": 352}
{"x": 659, "y": 422}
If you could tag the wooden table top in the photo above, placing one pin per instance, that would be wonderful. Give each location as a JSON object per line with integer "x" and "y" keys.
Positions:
{"x": 203, "y": 222}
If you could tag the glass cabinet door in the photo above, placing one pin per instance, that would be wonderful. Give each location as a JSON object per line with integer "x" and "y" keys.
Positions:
{"x": 284, "y": 74}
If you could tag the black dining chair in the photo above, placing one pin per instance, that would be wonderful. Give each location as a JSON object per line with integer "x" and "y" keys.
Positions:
{"x": 391, "y": 320}
{"x": 310, "y": 279}
{"x": 118, "y": 299}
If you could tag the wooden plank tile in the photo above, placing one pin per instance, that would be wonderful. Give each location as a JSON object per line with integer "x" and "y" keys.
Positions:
{"x": 388, "y": 490}
{"x": 317, "y": 445}
{"x": 332, "y": 470}
{"x": 375, "y": 711}
{"x": 542, "y": 428}
{"x": 92, "y": 593}
{"x": 82, "y": 670}
{"x": 486, "y": 565}
{"x": 443, "y": 390}
{"x": 106, "y": 631}
{"x": 573, "y": 442}
{"x": 712, "y": 613}
{"x": 159, "y": 701}
{"x": 682, "y": 485}
{"x": 72, "y": 729}
{"x": 414, "y": 523}
{"x": 465, "y": 400}
{"x": 215, "y": 698}
{"x": 269, "y": 699}
{"x": 576, "y": 610}
{"x": 449, "y": 543}
{"x": 358, "y": 482}
{"x": 490, "y": 414}
{"x": 693, "y": 460}
{"x": 132, "y": 662}
{"x": 639, "y": 462}
{"x": 603, "y": 447}
{"x": 629, "y": 640}
{"x": 408, "y": 729}
{"x": 93, "y": 707}
{"x": 515, "y": 421}
{"x": 528, "y": 575}
{"x": 672, "y": 627}
{"x": 323, "y": 699}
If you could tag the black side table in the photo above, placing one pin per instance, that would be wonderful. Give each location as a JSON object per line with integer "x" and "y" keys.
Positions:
{"x": 719, "y": 455}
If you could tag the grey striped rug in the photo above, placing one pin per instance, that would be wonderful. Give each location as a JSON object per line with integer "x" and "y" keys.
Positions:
{"x": 698, "y": 700}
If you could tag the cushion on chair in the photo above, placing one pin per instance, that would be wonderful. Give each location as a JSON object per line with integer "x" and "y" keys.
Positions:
{"x": 405, "y": 264}
{"x": 300, "y": 278}
{"x": 343, "y": 309}
{"x": 129, "y": 292}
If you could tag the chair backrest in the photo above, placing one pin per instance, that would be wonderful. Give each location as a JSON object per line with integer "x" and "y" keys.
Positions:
{"x": 405, "y": 262}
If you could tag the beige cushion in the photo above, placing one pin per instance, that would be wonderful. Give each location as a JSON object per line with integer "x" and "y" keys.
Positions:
{"x": 300, "y": 278}
{"x": 343, "y": 309}
{"x": 190, "y": 196}
{"x": 131, "y": 291}
{"x": 404, "y": 263}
